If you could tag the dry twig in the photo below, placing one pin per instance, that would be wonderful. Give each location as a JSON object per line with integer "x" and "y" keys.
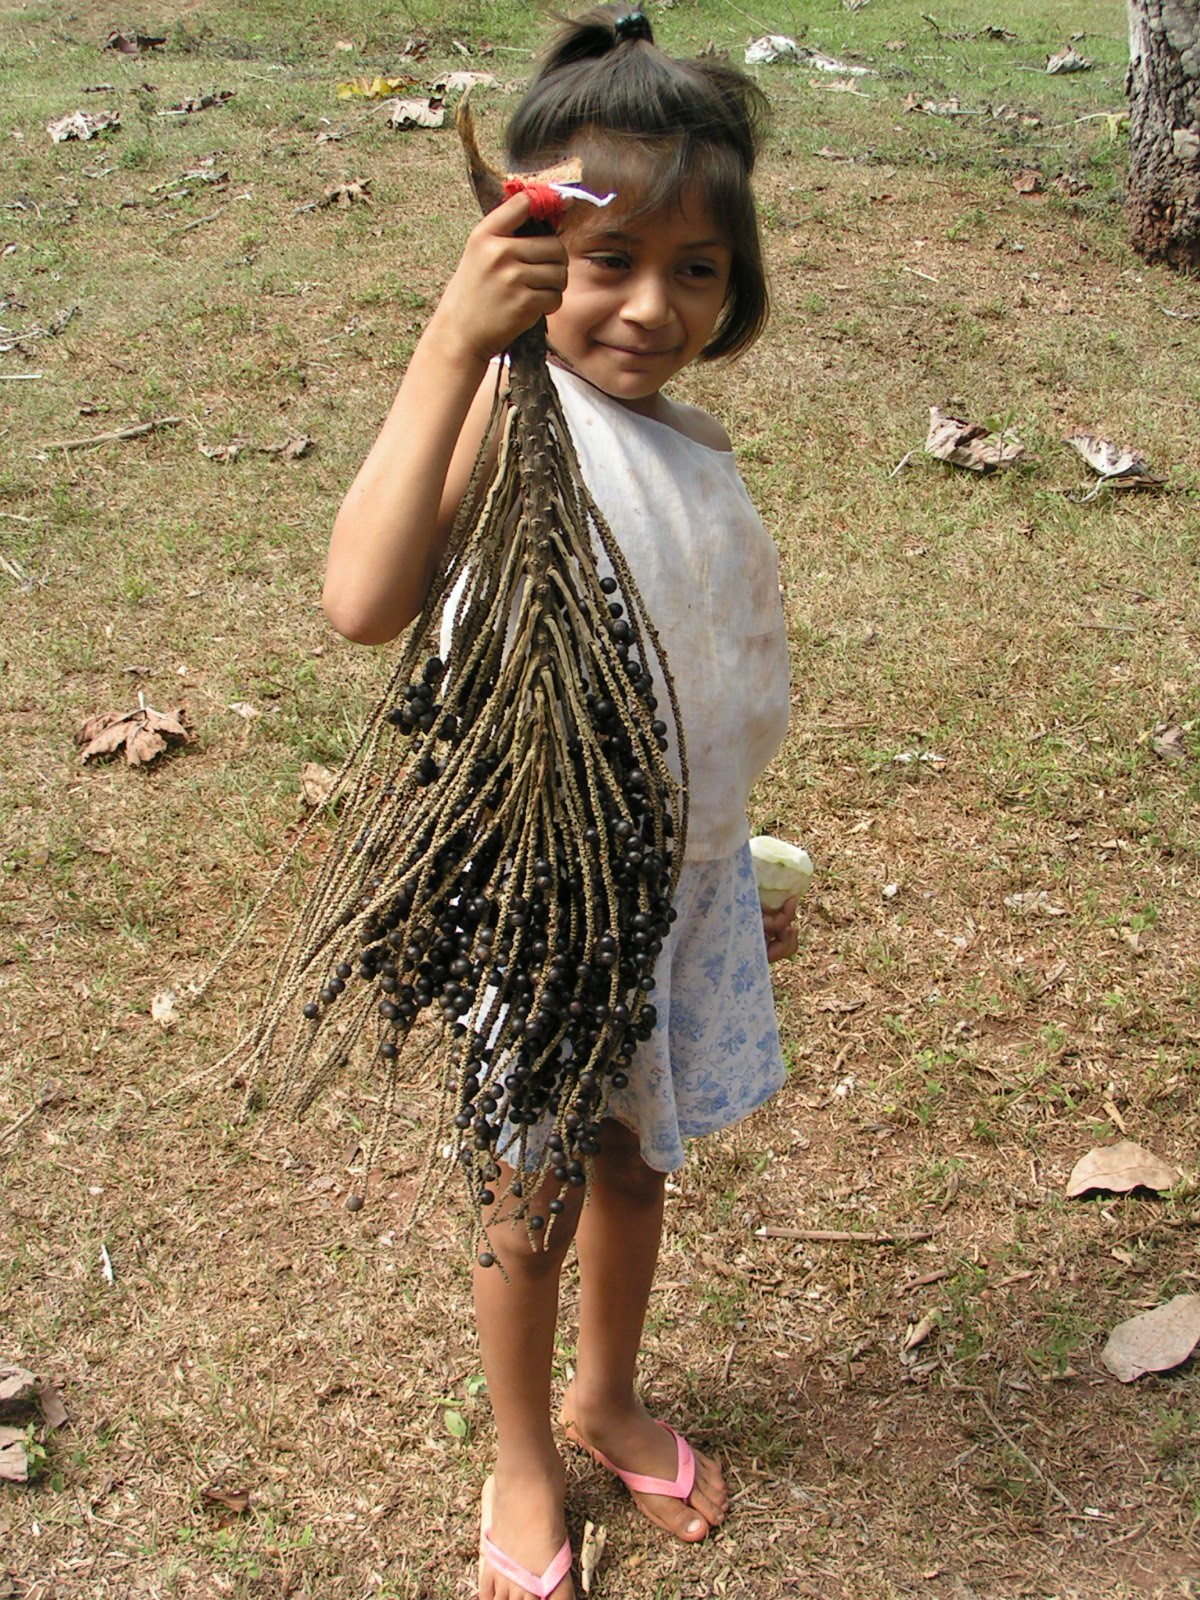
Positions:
{"x": 136, "y": 431}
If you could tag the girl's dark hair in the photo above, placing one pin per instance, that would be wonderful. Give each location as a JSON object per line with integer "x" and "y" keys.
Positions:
{"x": 606, "y": 93}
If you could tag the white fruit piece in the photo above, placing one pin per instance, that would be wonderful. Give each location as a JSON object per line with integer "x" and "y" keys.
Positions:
{"x": 781, "y": 869}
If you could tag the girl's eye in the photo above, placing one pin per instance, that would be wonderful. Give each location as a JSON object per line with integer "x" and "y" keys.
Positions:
{"x": 700, "y": 269}
{"x": 609, "y": 263}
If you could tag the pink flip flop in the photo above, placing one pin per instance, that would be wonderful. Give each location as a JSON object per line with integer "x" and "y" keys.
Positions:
{"x": 677, "y": 1488}
{"x": 492, "y": 1555}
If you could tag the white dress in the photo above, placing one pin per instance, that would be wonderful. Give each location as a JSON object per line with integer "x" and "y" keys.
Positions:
{"x": 708, "y": 572}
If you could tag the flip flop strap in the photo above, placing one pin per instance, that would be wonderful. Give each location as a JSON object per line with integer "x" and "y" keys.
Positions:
{"x": 677, "y": 1488}
{"x": 521, "y": 1576}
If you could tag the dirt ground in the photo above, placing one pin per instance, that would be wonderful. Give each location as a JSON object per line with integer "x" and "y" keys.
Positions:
{"x": 269, "y": 1396}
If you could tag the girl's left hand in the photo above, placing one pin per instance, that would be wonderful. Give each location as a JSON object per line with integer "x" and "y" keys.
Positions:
{"x": 779, "y": 929}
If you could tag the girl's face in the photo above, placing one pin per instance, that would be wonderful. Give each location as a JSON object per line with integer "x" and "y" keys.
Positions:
{"x": 643, "y": 296}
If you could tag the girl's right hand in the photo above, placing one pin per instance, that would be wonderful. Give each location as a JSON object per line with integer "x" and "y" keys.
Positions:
{"x": 502, "y": 285}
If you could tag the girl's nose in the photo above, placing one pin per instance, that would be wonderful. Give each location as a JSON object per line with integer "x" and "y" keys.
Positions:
{"x": 647, "y": 302}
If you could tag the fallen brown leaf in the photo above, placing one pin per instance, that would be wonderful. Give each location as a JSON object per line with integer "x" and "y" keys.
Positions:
{"x": 918, "y": 1333}
{"x": 53, "y": 1410}
{"x": 429, "y": 113}
{"x": 200, "y": 102}
{"x": 1029, "y": 180}
{"x": 82, "y": 125}
{"x": 18, "y": 1390}
{"x": 227, "y": 1504}
{"x": 145, "y": 733}
{"x": 1168, "y": 742}
{"x": 1123, "y": 469}
{"x": 1035, "y": 902}
{"x": 934, "y": 108}
{"x": 315, "y": 783}
{"x": 1119, "y": 1168}
{"x": 14, "y": 1463}
{"x": 345, "y": 194}
{"x": 459, "y": 82}
{"x": 1156, "y": 1341}
{"x": 132, "y": 46}
{"x": 970, "y": 444}
{"x": 291, "y": 449}
{"x": 373, "y": 88}
{"x": 223, "y": 452}
{"x": 1067, "y": 60}
{"x": 594, "y": 1538}
{"x": 162, "y": 1007}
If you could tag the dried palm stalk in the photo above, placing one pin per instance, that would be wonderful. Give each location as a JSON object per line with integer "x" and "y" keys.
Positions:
{"x": 510, "y": 832}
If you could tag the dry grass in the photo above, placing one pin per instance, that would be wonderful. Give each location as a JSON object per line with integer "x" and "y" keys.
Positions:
{"x": 952, "y": 1055}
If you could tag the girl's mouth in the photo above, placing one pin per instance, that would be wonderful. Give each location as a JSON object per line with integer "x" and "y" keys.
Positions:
{"x": 637, "y": 352}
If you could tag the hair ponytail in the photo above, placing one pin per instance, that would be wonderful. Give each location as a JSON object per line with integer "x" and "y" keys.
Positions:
{"x": 594, "y": 34}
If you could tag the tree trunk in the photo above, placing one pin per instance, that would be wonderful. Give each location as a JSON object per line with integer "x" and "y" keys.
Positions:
{"x": 1164, "y": 131}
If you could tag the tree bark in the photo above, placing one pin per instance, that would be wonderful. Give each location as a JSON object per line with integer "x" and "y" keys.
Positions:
{"x": 1164, "y": 131}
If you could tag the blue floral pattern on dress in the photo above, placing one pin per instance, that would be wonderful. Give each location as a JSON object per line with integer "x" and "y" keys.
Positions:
{"x": 714, "y": 1056}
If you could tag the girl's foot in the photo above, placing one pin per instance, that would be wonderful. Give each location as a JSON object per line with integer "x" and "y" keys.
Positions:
{"x": 634, "y": 1442}
{"x": 522, "y": 1517}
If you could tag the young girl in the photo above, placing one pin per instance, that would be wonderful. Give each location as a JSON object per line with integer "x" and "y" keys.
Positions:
{"x": 670, "y": 273}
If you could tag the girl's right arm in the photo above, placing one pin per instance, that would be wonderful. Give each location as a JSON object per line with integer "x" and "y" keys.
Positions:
{"x": 393, "y": 524}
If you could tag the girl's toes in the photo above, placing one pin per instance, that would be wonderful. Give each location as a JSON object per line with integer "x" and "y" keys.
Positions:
{"x": 682, "y": 1518}
{"x": 709, "y": 1495}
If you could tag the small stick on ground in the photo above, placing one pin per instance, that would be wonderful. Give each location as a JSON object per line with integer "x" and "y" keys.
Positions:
{"x": 47, "y": 1098}
{"x": 134, "y": 432}
{"x": 841, "y": 1236}
{"x": 199, "y": 222}
{"x": 924, "y": 1281}
{"x": 1028, "y": 1459}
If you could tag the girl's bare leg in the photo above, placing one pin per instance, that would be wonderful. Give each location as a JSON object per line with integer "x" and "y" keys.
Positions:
{"x": 516, "y": 1321}
{"x": 617, "y": 1241}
